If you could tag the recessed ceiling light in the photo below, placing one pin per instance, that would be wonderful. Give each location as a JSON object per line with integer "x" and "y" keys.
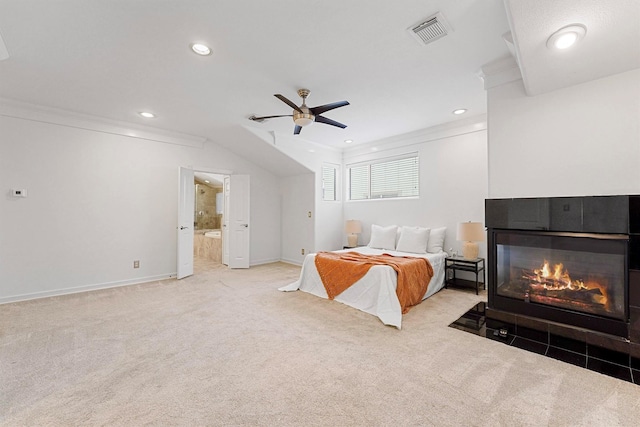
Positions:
{"x": 201, "y": 49}
{"x": 147, "y": 115}
{"x": 311, "y": 150}
{"x": 460, "y": 111}
{"x": 348, "y": 141}
{"x": 566, "y": 36}
{"x": 207, "y": 182}
{"x": 374, "y": 149}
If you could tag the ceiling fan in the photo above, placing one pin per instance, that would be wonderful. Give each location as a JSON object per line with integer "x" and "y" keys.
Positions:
{"x": 303, "y": 115}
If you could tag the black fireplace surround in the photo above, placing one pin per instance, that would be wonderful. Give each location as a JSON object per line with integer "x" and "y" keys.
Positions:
{"x": 568, "y": 266}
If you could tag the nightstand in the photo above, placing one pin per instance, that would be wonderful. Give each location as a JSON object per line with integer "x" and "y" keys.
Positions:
{"x": 475, "y": 266}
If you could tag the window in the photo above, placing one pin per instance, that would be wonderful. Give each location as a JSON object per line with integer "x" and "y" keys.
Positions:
{"x": 382, "y": 179}
{"x": 328, "y": 182}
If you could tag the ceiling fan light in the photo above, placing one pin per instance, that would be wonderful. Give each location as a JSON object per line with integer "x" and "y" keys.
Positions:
{"x": 303, "y": 119}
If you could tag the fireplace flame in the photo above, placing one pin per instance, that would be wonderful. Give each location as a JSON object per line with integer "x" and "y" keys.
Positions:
{"x": 557, "y": 280}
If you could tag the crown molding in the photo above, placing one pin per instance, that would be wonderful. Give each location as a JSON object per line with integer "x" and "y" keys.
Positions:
{"x": 55, "y": 116}
{"x": 499, "y": 72}
{"x": 445, "y": 130}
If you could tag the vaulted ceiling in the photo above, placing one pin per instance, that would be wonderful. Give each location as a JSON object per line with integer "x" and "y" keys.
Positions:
{"x": 115, "y": 58}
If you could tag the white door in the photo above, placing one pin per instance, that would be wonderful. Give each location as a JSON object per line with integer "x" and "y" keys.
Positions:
{"x": 186, "y": 200}
{"x": 237, "y": 220}
{"x": 225, "y": 223}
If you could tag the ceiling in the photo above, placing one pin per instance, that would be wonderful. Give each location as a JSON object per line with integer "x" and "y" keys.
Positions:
{"x": 611, "y": 44}
{"x": 209, "y": 179}
{"x": 115, "y": 58}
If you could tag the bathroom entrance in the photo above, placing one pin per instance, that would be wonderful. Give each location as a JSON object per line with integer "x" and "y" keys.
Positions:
{"x": 234, "y": 221}
{"x": 208, "y": 214}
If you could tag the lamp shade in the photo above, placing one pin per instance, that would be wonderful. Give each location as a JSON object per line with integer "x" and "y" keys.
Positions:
{"x": 353, "y": 226}
{"x": 470, "y": 231}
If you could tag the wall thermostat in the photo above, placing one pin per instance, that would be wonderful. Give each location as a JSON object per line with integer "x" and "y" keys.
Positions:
{"x": 19, "y": 193}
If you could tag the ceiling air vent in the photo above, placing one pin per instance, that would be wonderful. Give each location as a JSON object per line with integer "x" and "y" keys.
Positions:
{"x": 430, "y": 29}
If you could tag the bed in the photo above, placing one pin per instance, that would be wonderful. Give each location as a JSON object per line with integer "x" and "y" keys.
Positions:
{"x": 375, "y": 292}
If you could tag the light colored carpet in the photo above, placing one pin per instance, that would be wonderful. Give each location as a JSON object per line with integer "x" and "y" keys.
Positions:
{"x": 224, "y": 347}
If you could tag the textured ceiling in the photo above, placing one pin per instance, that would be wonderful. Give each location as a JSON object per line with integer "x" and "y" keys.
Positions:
{"x": 611, "y": 44}
{"x": 114, "y": 58}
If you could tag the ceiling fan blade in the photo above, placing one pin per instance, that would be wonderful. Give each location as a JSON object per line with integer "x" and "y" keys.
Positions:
{"x": 289, "y": 103}
{"x": 329, "y": 122}
{"x": 255, "y": 119}
{"x": 323, "y": 108}
{"x": 297, "y": 129}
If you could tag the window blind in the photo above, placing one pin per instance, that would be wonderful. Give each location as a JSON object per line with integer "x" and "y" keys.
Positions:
{"x": 359, "y": 182}
{"x": 398, "y": 177}
{"x": 328, "y": 183}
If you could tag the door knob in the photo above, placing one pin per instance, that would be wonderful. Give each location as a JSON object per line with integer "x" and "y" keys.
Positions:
{"x": 244, "y": 225}
{"x": 183, "y": 227}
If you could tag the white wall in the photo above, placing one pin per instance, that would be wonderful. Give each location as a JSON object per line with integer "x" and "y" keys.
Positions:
{"x": 97, "y": 201}
{"x": 329, "y": 225}
{"x": 303, "y": 194}
{"x": 453, "y": 185}
{"x": 298, "y": 199}
{"x": 580, "y": 140}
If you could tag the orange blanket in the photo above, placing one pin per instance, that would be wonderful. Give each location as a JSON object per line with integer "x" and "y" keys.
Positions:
{"x": 338, "y": 271}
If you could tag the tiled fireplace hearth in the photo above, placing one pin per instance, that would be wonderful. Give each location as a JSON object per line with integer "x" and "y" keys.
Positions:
{"x": 567, "y": 267}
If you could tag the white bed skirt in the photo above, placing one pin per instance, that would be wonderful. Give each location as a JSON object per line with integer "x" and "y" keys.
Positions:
{"x": 375, "y": 292}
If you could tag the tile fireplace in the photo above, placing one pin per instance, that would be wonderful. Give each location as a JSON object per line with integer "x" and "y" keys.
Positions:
{"x": 567, "y": 266}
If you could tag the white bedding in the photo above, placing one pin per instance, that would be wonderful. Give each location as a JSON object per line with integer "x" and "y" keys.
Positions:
{"x": 375, "y": 293}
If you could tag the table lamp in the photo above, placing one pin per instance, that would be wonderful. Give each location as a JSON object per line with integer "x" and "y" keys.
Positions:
{"x": 470, "y": 233}
{"x": 353, "y": 228}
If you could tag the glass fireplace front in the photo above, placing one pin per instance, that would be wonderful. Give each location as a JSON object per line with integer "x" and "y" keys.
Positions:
{"x": 579, "y": 272}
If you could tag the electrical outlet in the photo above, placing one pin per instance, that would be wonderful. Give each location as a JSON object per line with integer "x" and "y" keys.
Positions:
{"x": 302, "y": 251}
{"x": 136, "y": 264}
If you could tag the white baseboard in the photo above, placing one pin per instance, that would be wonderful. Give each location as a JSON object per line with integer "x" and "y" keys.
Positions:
{"x": 77, "y": 289}
{"x": 86, "y": 288}
{"x": 291, "y": 261}
{"x": 264, "y": 261}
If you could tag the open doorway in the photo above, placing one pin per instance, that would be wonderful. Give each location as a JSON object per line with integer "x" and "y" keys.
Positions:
{"x": 235, "y": 221}
{"x": 208, "y": 221}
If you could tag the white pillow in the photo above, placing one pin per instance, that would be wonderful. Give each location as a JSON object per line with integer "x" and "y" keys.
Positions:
{"x": 383, "y": 237}
{"x": 413, "y": 239}
{"x": 436, "y": 240}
